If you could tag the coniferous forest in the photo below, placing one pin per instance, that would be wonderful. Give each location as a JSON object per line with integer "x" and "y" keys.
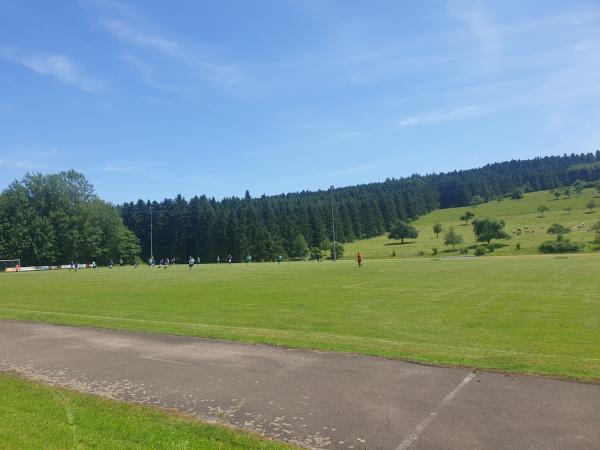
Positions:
{"x": 267, "y": 226}
{"x": 52, "y": 219}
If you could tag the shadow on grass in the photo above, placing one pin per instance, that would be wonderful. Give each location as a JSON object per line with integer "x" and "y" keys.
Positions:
{"x": 399, "y": 243}
{"x": 495, "y": 245}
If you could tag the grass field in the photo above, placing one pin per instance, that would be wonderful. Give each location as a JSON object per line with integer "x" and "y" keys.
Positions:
{"x": 535, "y": 314}
{"x": 516, "y": 213}
{"x": 41, "y": 417}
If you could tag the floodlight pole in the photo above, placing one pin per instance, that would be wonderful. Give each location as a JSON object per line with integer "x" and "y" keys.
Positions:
{"x": 151, "y": 243}
{"x": 334, "y": 255}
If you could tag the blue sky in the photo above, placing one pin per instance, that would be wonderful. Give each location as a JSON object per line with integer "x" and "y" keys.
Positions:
{"x": 152, "y": 99}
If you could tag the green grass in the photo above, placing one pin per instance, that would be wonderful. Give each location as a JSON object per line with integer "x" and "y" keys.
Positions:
{"x": 534, "y": 314}
{"x": 41, "y": 417}
{"x": 516, "y": 213}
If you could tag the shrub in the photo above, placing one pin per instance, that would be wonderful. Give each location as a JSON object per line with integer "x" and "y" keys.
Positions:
{"x": 393, "y": 253}
{"x": 480, "y": 250}
{"x": 517, "y": 194}
{"x": 464, "y": 251}
{"x": 339, "y": 250}
{"x": 591, "y": 205}
{"x": 557, "y": 228}
{"x": 518, "y": 246}
{"x": 434, "y": 250}
{"x": 560, "y": 245}
{"x": 477, "y": 200}
{"x": 420, "y": 253}
{"x": 316, "y": 253}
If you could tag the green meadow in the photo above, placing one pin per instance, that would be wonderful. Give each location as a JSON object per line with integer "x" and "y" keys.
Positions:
{"x": 518, "y": 214}
{"x": 41, "y": 417}
{"x": 531, "y": 314}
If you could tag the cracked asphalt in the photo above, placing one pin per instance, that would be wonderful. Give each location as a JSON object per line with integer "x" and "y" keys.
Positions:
{"x": 313, "y": 399}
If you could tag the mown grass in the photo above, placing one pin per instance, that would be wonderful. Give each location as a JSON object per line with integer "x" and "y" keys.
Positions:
{"x": 41, "y": 417}
{"x": 517, "y": 214}
{"x": 533, "y": 314}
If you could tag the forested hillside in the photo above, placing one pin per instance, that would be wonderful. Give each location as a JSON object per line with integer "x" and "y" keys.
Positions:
{"x": 270, "y": 225}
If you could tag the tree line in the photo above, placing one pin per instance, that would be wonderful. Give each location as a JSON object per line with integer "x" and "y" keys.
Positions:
{"x": 268, "y": 226}
{"x": 55, "y": 219}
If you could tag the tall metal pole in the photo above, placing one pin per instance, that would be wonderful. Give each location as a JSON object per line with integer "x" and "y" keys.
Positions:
{"x": 151, "y": 243}
{"x": 333, "y": 226}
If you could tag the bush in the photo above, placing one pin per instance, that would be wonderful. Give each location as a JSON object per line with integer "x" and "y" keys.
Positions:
{"x": 464, "y": 251}
{"x": 491, "y": 248}
{"x": 339, "y": 250}
{"x": 557, "y": 228}
{"x": 517, "y": 194}
{"x": 559, "y": 246}
{"x": 420, "y": 253}
{"x": 393, "y": 253}
{"x": 434, "y": 250}
{"x": 480, "y": 250}
{"x": 596, "y": 240}
{"x": 518, "y": 246}
{"x": 316, "y": 253}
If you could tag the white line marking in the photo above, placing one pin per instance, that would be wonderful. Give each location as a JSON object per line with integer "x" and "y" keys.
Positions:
{"x": 409, "y": 441}
{"x": 170, "y": 361}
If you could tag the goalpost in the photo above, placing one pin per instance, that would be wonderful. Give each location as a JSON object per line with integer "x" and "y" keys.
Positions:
{"x": 10, "y": 265}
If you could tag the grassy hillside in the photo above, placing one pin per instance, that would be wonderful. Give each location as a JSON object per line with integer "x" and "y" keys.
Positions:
{"x": 537, "y": 314}
{"x": 516, "y": 213}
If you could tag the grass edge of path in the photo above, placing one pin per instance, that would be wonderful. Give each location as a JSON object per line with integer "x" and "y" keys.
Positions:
{"x": 241, "y": 438}
{"x": 423, "y": 356}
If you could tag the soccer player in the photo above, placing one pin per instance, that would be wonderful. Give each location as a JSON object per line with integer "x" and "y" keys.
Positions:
{"x": 110, "y": 264}
{"x": 191, "y": 263}
{"x": 359, "y": 259}
{"x": 229, "y": 259}
{"x": 218, "y": 259}
{"x": 279, "y": 259}
{"x": 166, "y": 263}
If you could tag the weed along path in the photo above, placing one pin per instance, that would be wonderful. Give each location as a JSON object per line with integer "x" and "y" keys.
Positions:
{"x": 314, "y": 399}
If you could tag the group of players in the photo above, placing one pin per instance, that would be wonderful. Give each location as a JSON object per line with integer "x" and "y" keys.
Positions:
{"x": 192, "y": 261}
{"x": 164, "y": 263}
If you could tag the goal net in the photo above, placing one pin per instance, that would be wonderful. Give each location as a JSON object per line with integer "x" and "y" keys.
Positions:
{"x": 10, "y": 265}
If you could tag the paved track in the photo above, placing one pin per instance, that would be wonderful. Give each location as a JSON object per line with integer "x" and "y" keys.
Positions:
{"x": 318, "y": 400}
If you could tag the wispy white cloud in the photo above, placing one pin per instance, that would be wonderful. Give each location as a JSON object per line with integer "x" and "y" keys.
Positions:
{"x": 59, "y": 67}
{"x": 133, "y": 30}
{"x": 465, "y": 112}
{"x": 20, "y": 164}
{"x": 352, "y": 170}
{"x": 113, "y": 7}
{"x": 128, "y": 33}
{"x": 147, "y": 72}
{"x": 130, "y": 167}
{"x": 480, "y": 26}
{"x": 50, "y": 153}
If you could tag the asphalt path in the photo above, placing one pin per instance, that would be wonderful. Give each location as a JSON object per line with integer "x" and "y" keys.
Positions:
{"x": 314, "y": 399}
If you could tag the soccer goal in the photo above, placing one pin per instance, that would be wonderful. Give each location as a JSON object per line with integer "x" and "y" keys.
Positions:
{"x": 10, "y": 265}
